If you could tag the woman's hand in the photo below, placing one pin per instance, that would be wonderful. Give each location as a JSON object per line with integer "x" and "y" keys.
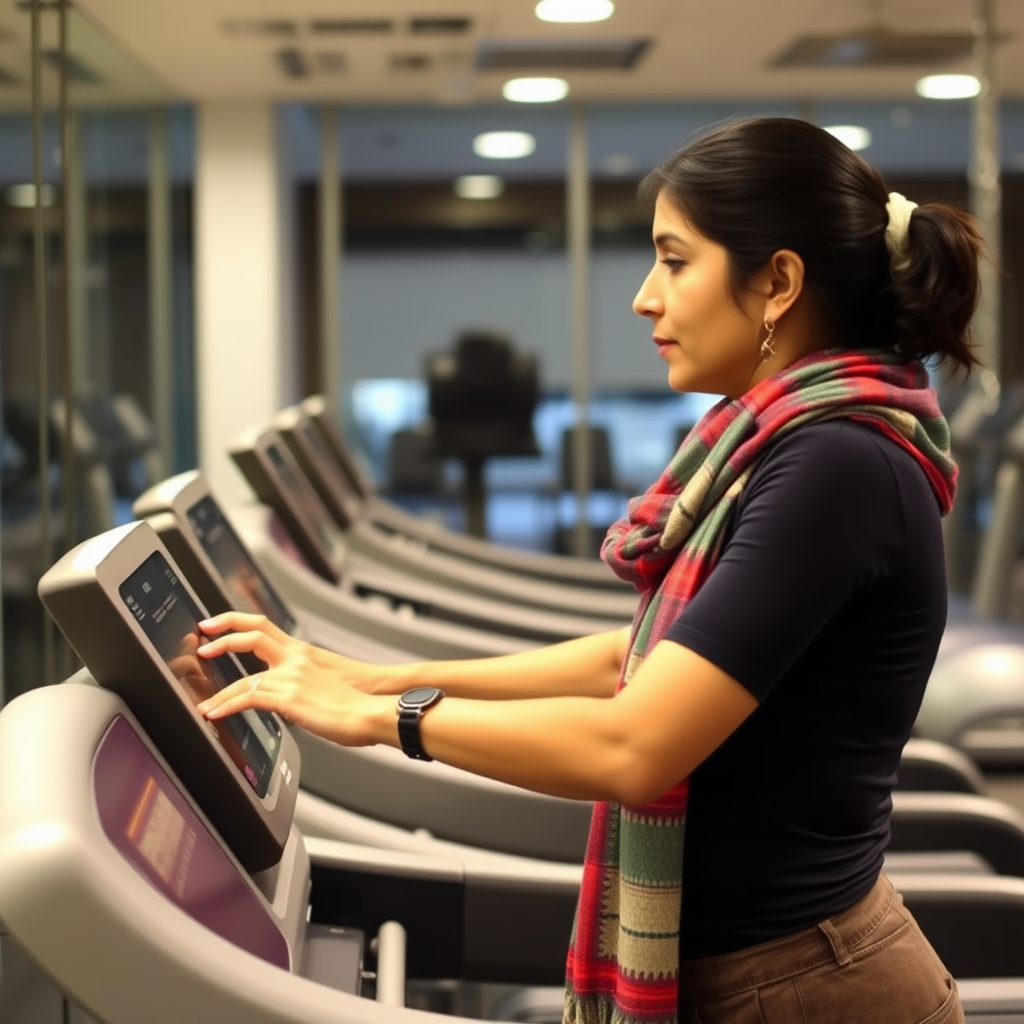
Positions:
{"x": 325, "y": 693}
{"x": 239, "y": 633}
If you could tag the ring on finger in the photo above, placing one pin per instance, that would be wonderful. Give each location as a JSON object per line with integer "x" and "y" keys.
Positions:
{"x": 254, "y": 684}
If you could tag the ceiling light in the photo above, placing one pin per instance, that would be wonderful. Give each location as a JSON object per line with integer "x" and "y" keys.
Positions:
{"x": 24, "y": 196}
{"x": 853, "y": 136}
{"x": 504, "y": 145}
{"x": 576, "y": 11}
{"x": 478, "y": 186}
{"x": 535, "y": 90}
{"x": 947, "y": 87}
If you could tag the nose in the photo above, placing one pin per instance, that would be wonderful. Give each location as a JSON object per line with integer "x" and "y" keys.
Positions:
{"x": 647, "y": 302}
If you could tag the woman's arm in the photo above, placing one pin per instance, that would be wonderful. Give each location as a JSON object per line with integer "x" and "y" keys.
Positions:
{"x": 630, "y": 748}
{"x": 588, "y": 666}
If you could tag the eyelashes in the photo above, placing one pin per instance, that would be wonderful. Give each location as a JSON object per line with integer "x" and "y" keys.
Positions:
{"x": 673, "y": 263}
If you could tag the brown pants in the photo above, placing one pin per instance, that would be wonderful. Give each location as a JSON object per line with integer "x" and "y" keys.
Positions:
{"x": 868, "y": 965}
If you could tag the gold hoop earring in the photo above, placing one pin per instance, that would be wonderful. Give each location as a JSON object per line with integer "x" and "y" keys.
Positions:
{"x": 768, "y": 345}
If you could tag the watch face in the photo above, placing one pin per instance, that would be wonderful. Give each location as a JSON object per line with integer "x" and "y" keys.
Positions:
{"x": 423, "y": 696}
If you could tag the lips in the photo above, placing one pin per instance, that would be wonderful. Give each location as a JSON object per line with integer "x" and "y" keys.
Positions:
{"x": 664, "y": 344}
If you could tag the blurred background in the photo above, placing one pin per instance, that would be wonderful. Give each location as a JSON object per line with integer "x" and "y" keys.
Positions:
{"x": 210, "y": 209}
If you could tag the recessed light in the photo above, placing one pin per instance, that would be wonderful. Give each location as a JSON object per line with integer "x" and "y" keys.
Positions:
{"x": 535, "y": 90}
{"x": 478, "y": 186}
{"x": 504, "y": 145}
{"x": 947, "y": 87}
{"x": 853, "y": 136}
{"x": 576, "y": 11}
{"x": 24, "y": 196}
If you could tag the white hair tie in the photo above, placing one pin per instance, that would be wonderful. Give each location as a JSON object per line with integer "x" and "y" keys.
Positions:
{"x": 899, "y": 209}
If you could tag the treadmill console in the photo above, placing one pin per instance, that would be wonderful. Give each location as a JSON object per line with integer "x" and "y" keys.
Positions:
{"x": 250, "y": 590}
{"x": 315, "y": 408}
{"x": 125, "y": 609}
{"x": 309, "y": 447}
{"x": 279, "y": 482}
{"x": 201, "y": 539}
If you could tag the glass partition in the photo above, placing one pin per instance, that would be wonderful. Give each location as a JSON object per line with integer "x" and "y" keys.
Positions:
{"x": 95, "y": 284}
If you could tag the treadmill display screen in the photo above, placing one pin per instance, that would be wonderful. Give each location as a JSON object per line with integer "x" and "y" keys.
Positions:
{"x": 170, "y": 618}
{"x": 332, "y": 478}
{"x": 302, "y": 492}
{"x": 250, "y": 591}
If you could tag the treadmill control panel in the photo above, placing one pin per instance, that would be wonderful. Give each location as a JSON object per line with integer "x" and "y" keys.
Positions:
{"x": 302, "y": 492}
{"x": 168, "y": 616}
{"x": 249, "y": 588}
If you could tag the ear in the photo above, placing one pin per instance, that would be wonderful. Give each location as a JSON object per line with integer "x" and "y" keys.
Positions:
{"x": 781, "y": 283}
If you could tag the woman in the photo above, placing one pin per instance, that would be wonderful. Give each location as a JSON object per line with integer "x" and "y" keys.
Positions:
{"x": 790, "y": 565}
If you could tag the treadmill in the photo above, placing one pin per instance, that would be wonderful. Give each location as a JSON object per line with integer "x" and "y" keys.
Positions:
{"x": 365, "y": 625}
{"x": 414, "y": 556}
{"x": 393, "y": 788}
{"x": 389, "y": 518}
{"x": 279, "y": 483}
{"x": 163, "y": 882}
{"x": 118, "y": 878}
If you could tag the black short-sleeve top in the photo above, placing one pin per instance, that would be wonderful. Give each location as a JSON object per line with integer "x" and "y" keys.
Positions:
{"x": 827, "y": 603}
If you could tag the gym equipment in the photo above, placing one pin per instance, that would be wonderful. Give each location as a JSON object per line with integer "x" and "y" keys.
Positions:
{"x": 280, "y": 484}
{"x": 410, "y": 555}
{"x": 389, "y": 518}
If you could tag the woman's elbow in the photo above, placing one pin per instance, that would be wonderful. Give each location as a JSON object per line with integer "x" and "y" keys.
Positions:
{"x": 637, "y": 782}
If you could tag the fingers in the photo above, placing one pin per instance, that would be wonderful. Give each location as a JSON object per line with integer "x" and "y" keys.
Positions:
{"x": 239, "y": 696}
{"x": 263, "y": 646}
{"x": 241, "y": 622}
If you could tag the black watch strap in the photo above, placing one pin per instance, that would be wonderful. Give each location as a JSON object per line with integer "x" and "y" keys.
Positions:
{"x": 411, "y": 707}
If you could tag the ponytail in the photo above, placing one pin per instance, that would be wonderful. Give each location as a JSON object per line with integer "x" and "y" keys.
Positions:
{"x": 937, "y": 292}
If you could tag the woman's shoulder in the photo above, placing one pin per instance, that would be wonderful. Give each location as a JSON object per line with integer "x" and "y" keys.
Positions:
{"x": 839, "y": 471}
{"x": 841, "y": 453}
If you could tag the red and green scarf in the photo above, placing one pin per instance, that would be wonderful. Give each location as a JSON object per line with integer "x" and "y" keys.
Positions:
{"x": 624, "y": 954}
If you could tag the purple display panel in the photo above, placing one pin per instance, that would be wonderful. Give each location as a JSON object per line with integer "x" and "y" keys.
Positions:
{"x": 153, "y": 827}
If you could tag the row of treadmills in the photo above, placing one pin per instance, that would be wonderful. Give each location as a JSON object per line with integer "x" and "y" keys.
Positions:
{"x": 160, "y": 868}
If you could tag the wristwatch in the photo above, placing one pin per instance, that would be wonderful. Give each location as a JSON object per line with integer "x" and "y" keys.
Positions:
{"x": 411, "y": 707}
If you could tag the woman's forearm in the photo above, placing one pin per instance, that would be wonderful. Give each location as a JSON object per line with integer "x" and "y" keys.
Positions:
{"x": 586, "y": 667}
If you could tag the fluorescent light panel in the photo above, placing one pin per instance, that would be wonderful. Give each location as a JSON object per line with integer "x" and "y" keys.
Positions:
{"x": 947, "y": 87}
{"x": 504, "y": 145}
{"x": 535, "y": 90}
{"x": 575, "y": 11}
{"x": 853, "y": 136}
{"x": 478, "y": 186}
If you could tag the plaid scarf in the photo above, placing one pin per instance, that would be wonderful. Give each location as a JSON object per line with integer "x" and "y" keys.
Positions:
{"x": 624, "y": 953}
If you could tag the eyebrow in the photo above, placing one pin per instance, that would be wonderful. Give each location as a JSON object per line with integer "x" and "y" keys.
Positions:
{"x": 667, "y": 236}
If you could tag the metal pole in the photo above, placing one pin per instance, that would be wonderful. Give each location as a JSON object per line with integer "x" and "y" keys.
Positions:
{"x": 161, "y": 365}
{"x": 68, "y": 502}
{"x": 578, "y": 216}
{"x": 330, "y": 239}
{"x": 63, "y": 654}
{"x": 986, "y": 192}
{"x": 41, "y": 339}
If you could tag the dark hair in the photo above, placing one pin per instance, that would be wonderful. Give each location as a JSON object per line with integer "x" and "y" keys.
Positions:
{"x": 759, "y": 185}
